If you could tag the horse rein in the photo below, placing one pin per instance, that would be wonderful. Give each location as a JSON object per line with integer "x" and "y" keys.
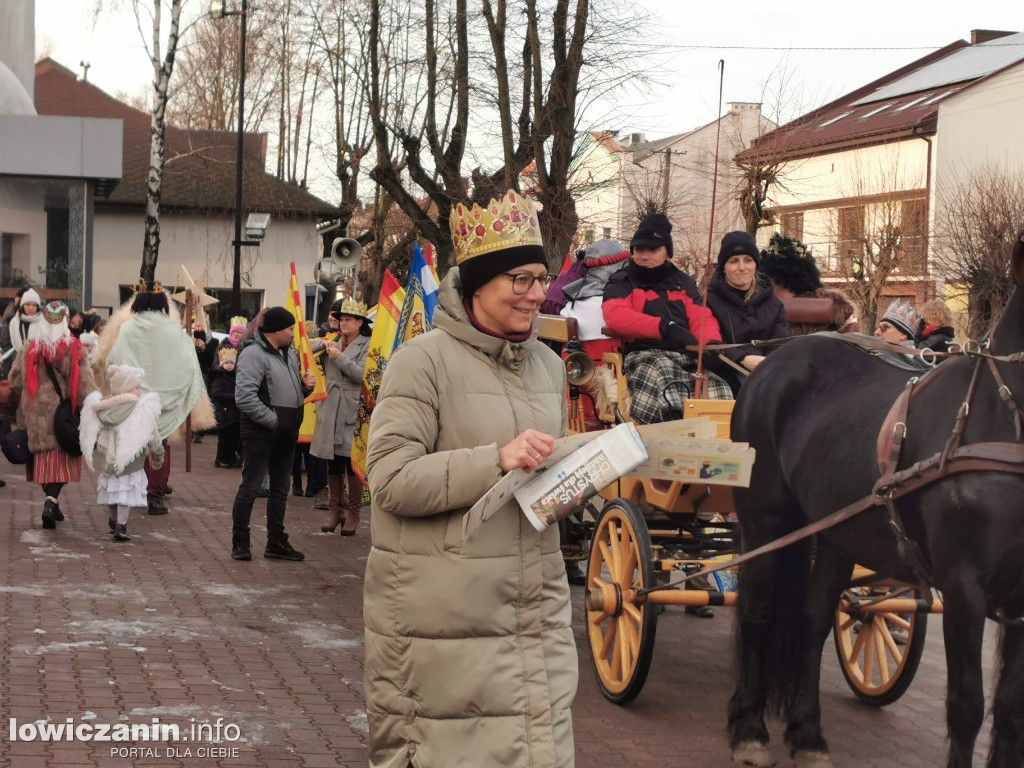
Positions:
{"x": 893, "y": 484}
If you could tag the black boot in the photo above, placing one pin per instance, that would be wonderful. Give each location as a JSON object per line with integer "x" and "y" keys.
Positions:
{"x": 121, "y": 533}
{"x": 58, "y": 516}
{"x": 575, "y": 574}
{"x": 49, "y": 520}
{"x": 156, "y": 504}
{"x": 278, "y": 548}
{"x": 240, "y": 549}
{"x": 296, "y": 487}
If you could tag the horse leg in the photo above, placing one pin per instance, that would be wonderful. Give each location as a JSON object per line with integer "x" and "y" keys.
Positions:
{"x": 803, "y": 727}
{"x": 963, "y": 625}
{"x": 769, "y": 646}
{"x": 1008, "y": 707}
{"x": 748, "y": 735}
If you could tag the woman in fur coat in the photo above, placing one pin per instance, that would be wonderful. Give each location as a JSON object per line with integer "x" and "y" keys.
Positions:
{"x": 122, "y": 431}
{"x": 56, "y": 350}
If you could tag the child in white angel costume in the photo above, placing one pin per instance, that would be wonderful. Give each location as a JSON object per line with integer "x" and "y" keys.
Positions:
{"x": 121, "y": 429}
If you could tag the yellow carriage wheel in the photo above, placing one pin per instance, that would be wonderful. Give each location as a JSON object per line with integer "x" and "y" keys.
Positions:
{"x": 620, "y": 627}
{"x": 879, "y": 653}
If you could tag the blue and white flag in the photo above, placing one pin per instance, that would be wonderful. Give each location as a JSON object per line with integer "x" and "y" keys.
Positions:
{"x": 420, "y": 299}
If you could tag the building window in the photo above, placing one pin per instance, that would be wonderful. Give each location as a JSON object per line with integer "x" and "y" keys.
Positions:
{"x": 588, "y": 235}
{"x": 6, "y": 259}
{"x": 913, "y": 225}
{"x": 57, "y": 239}
{"x": 606, "y": 233}
{"x": 793, "y": 225}
{"x": 850, "y": 240}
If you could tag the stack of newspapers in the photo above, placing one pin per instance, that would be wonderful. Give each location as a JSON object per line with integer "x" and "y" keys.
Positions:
{"x": 562, "y": 488}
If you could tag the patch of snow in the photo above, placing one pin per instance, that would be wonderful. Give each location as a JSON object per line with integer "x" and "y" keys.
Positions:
{"x": 29, "y": 591}
{"x": 358, "y": 721}
{"x": 87, "y": 715}
{"x": 58, "y": 553}
{"x": 67, "y": 646}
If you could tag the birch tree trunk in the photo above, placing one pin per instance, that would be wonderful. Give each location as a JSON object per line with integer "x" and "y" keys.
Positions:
{"x": 162, "y": 70}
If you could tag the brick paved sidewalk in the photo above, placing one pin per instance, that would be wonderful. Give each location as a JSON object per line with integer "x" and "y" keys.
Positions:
{"x": 167, "y": 626}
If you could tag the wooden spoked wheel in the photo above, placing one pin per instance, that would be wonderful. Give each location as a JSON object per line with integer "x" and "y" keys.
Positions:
{"x": 879, "y": 653}
{"x": 621, "y": 630}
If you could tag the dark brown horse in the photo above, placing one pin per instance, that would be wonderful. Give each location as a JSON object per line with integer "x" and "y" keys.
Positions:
{"x": 813, "y": 412}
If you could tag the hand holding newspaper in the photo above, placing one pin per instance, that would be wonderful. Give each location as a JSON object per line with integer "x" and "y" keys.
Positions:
{"x": 556, "y": 492}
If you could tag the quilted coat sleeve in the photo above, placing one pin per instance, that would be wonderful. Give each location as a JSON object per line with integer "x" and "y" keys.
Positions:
{"x": 408, "y": 478}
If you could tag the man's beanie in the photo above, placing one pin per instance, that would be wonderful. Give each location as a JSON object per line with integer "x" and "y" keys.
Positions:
{"x": 735, "y": 243}
{"x": 487, "y": 241}
{"x": 655, "y": 230}
{"x": 277, "y": 319}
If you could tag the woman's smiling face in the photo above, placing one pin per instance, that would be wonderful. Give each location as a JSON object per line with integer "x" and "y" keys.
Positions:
{"x": 498, "y": 308}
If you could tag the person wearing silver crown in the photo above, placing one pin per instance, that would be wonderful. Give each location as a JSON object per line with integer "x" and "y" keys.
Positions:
{"x": 470, "y": 656}
{"x": 51, "y": 366}
{"x": 899, "y": 324}
{"x": 336, "y": 416}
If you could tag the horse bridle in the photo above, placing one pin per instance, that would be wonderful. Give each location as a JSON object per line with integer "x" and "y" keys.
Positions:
{"x": 893, "y": 484}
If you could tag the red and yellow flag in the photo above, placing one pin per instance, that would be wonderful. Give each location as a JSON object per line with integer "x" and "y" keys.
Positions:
{"x": 306, "y": 362}
{"x": 382, "y": 341}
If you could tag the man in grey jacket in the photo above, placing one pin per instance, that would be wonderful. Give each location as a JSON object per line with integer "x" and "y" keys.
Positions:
{"x": 269, "y": 393}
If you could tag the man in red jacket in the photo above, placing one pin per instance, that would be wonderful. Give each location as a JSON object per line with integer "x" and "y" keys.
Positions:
{"x": 657, "y": 311}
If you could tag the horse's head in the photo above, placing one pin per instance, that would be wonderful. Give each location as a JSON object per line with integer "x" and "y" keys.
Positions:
{"x": 1008, "y": 335}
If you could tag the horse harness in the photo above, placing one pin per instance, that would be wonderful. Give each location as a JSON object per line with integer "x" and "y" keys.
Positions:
{"x": 895, "y": 483}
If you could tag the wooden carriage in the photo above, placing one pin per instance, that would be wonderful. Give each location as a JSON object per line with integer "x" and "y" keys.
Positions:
{"x": 641, "y": 531}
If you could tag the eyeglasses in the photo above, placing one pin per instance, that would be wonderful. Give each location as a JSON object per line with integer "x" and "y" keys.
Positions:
{"x": 522, "y": 282}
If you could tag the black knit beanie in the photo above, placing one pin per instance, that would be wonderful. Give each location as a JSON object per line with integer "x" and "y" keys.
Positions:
{"x": 277, "y": 319}
{"x": 736, "y": 243}
{"x": 655, "y": 230}
{"x": 474, "y": 272}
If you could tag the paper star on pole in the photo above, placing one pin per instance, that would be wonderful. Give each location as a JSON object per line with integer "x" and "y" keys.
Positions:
{"x": 198, "y": 289}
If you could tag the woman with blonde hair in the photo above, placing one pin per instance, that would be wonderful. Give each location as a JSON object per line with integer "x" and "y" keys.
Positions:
{"x": 936, "y": 326}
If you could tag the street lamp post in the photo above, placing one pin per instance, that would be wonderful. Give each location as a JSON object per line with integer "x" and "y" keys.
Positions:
{"x": 217, "y": 9}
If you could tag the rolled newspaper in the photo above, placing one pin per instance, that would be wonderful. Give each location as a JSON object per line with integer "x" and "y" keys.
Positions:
{"x": 562, "y": 488}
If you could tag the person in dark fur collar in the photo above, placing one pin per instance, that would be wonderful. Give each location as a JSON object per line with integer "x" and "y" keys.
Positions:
{"x": 744, "y": 303}
{"x": 794, "y": 274}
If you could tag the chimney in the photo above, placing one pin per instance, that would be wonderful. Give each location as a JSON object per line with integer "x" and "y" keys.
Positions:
{"x": 635, "y": 139}
{"x": 984, "y": 35}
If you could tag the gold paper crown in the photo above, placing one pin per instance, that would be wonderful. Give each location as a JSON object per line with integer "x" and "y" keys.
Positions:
{"x": 505, "y": 223}
{"x": 238, "y": 321}
{"x": 227, "y": 353}
{"x": 352, "y": 307}
{"x": 144, "y": 287}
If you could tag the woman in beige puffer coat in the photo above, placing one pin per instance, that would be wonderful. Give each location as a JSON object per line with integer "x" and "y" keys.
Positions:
{"x": 470, "y": 657}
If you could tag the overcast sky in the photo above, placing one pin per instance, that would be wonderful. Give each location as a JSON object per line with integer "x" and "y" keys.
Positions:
{"x": 687, "y": 40}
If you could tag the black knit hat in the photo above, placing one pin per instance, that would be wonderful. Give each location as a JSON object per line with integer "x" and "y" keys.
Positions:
{"x": 475, "y": 272}
{"x": 735, "y": 243}
{"x": 277, "y": 319}
{"x": 654, "y": 230}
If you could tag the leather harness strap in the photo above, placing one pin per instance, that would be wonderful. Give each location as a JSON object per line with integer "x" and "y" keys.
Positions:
{"x": 980, "y": 457}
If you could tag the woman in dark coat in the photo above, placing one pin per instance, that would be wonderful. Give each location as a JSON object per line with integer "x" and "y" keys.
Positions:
{"x": 222, "y": 392}
{"x": 936, "y": 326}
{"x": 744, "y": 303}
